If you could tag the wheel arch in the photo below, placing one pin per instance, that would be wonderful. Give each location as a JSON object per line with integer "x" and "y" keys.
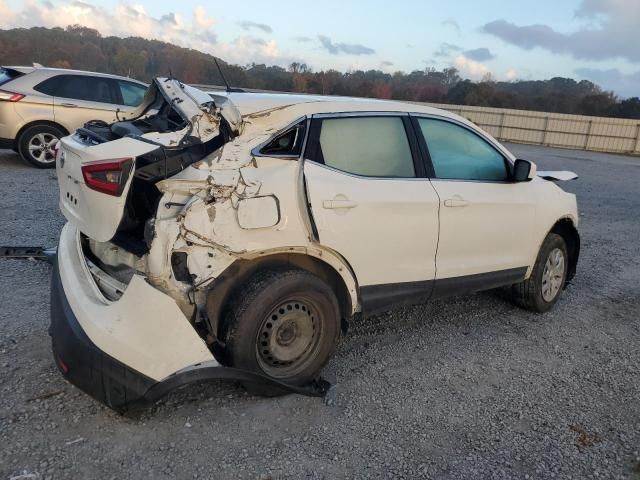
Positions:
{"x": 566, "y": 228}
{"x": 340, "y": 279}
{"x": 36, "y": 123}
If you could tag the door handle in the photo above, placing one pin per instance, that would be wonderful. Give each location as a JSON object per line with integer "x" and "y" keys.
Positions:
{"x": 334, "y": 204}
{"x": 455, "y": 202}
{"x": 68, "y": 105}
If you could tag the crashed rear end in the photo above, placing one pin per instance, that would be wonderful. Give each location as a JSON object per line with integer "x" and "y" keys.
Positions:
{"x": 153, "y": 213}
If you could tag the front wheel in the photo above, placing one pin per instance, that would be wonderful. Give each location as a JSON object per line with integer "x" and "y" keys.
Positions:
{"x": 36, "y": 143}
{"x": 283, "y": 324}
{"x": 542, "y": 289}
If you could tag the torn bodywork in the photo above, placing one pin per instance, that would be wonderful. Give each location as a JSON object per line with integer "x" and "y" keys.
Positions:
{"x": 193, "y": 214}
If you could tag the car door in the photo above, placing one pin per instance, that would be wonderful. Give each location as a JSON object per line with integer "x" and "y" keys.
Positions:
{"x": 80, "y": 98}
{"x": 372, "y": 203}
{"x": 486, "y": 220}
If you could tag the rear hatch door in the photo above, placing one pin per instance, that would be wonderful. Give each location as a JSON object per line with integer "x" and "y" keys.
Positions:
{"x": 95, "y": 177}
{"x": 94, "y": 182}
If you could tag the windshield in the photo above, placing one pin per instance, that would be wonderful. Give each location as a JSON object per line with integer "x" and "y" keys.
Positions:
{"x": 6, "y": 75}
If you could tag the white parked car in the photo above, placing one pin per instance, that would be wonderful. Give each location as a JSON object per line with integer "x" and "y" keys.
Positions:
{"x": 233, "y": 234}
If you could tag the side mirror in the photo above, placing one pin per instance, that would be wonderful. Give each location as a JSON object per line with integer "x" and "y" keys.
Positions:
{"x": 524, "y": 170}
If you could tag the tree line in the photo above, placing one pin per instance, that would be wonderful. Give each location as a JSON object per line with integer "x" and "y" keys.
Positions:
{"x": 84, "y": 48}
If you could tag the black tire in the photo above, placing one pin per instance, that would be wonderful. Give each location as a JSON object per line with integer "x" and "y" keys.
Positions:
{"x": 30, "y": 137}
{"x": 532, "y": 294}
{"x": 273, "y": 317}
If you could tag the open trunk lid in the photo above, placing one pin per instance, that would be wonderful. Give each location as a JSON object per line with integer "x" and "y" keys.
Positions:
{"x": 101, "y": 167}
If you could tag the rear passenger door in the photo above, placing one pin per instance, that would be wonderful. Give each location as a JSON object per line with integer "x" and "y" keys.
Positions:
{"x": 80, "y": 98}
{"x": 372, "y": 203}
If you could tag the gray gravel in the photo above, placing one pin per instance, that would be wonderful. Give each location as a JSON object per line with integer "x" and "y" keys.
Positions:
{"x": 466, "y": 388}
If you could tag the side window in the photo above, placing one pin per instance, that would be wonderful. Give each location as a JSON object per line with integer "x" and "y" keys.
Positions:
{"x": 370, "y": 146}
{"x": 132, "y": 93}
{"x": 79, "y": 87}
{"x": 457, "y": 153}
{"x": 49, "y": 86}
{"x": 288, "y": 143}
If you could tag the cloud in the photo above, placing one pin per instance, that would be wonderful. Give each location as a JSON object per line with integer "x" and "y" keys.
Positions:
{"x": 610, "y": 31}
{"x": 201, "y": 20}
{"x": 196, "y": 31}
{"x": 386, "y": 63}
{"x": 7, "y": 16}
{"x": 344, "y": 48}
{"x": 511, "y": 74}
{"x": 624, "y": 84}
{"x": 451, "y": 22}
{"x": 479, "y": 54}
{"x": 247, "y": 25}
{"x": 470, "y": 68}
{"x": 446, "y": 50}
{"x": 303, "y": 39}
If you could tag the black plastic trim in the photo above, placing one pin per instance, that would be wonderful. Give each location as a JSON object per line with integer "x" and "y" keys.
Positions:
{"x": 377, "y": 298}
{"x": 7, "y": 143}
{"x": 448, "y": 287}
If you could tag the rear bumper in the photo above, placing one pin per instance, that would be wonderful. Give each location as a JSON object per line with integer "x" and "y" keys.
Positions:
{"x": 85, "y": 365}
{"x": 132, "y": 351}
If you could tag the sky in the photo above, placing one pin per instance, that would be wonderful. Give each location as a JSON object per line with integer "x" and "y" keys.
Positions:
{"x": 596, "y": 40}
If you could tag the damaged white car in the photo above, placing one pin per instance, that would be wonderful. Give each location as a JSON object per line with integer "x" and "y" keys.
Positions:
{"x": 233, "y": 235}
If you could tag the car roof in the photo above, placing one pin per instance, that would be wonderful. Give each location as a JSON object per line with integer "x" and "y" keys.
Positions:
{"x": 26, "y": 70}
{"x": 254, "y": 104}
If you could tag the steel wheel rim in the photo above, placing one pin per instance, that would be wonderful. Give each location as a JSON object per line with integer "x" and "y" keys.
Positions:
{"x": 553, "y": 274}
{"x": 41, "y": 147}
{"x": 288, "y": 338}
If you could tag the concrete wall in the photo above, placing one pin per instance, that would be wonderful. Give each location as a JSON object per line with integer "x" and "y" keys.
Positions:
{"x": 554, "y": 129}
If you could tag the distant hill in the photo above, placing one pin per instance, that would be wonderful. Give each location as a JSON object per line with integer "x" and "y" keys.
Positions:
{"x": 85, "y": 49}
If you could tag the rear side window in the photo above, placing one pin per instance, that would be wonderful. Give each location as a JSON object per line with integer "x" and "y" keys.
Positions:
{"x": 369, "y": 146}
{"x": 288, "y": 143}
{"x": 49, "y": 86}
{"x": 6, "y": 75}
{"x": 80, "y": 87}
{"x": 457, "y": 153}
{"x": 132, "y": 93}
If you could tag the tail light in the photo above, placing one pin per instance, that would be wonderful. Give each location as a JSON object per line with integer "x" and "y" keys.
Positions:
{"x": 10, "y": 96}
{"x": 108, "y": 176}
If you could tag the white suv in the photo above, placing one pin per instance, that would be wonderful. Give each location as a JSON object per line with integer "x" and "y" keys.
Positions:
{"x": 233, "y": 234}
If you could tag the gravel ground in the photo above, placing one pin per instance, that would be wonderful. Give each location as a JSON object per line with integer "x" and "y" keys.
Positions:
{"x": 471, "y": 387}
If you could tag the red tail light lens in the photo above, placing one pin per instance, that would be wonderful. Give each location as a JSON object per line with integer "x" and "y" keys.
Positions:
{"x": 108, "y": 176}
{"x": 10, "y": 96}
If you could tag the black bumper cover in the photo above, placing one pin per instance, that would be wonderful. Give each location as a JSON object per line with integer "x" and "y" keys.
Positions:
{"x": 115, "y": 384}
{"x": 7, "y": 143}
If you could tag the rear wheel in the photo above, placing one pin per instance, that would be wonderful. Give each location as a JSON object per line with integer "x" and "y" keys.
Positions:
{"x": 35, "y": 145}
{"x": 283, "y": 324}
{"x": 542, "y": 289}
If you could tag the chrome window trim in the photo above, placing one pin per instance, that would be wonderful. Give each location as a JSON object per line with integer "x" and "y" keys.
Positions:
{"x": 362, "y": 113}
{"x": 255, "y": 151}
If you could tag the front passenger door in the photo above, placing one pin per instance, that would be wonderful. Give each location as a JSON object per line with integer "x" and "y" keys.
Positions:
{"x": 372, "y": 203}
{"x": 486, "y": 220}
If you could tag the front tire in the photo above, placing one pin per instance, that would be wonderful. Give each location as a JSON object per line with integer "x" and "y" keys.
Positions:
{"x": 283, "y": 324}
{"x": 35, "y": 145}
{"x": 541, "y": 290}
